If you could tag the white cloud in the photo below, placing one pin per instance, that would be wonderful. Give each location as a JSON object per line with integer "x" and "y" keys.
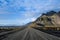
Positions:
{"x": 29, "y": 20}
{"x": 28, "y": 15}
{"x": 12, "y": 22}
{"x": 33, "y": 19}
{"x": 36, "y": 4}
{"x": 32, "y": 7}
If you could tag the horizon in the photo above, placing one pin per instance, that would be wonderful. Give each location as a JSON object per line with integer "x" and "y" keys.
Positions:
{"x": 21, "y": 12}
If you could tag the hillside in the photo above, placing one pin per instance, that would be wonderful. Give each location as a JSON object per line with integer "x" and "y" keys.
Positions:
{"x": 49, "y": 19}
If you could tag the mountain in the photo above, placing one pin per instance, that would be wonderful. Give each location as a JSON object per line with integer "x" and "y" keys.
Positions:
{"x": 49, "y": 19}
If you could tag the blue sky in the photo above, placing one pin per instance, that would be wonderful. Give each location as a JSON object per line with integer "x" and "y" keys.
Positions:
{"x": 18, "y": 12}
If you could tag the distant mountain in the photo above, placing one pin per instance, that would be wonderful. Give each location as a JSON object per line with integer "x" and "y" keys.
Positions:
{"x": 49, "y": 19}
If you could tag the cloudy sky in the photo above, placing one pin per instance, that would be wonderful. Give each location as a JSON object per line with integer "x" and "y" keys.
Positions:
{"x": 18, "y": 12}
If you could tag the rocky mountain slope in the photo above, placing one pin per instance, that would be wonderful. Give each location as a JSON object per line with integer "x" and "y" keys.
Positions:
{"x": 49, "y": 19}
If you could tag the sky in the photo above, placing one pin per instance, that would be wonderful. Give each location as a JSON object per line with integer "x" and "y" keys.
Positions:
{"x": 20, "y": 12}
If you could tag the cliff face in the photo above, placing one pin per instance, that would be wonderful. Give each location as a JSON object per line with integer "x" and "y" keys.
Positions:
{"x": 49, "y": 19}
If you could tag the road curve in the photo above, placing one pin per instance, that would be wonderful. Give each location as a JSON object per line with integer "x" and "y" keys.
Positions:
{"x": 30, "y": 34}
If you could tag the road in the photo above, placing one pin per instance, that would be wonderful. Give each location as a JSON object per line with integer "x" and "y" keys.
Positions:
{"x": 30, "y": 34}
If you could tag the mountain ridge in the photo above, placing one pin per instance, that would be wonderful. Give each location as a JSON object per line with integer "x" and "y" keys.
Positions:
{"x": 49, "y": 19}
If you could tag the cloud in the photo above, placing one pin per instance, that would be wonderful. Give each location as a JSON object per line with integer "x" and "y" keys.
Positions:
{"x": 28, "y": 14}
{"x": 33, "y": 19}
{"x": 18, "y": 6}
{"x": 27, "y": 20}
{"x": 16, "y": 22}
{"x": 27, "y": 10}
{"x": 12, "y": 22}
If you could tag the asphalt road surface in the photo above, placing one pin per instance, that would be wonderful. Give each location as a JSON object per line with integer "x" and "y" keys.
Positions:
{"x": 30, "y": 34}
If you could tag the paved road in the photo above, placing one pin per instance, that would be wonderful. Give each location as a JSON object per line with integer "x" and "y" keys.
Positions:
{"x": 30, "y": 34}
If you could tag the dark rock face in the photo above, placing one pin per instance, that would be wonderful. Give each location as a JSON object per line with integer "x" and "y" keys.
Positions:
{"x": 50, "y": 13}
